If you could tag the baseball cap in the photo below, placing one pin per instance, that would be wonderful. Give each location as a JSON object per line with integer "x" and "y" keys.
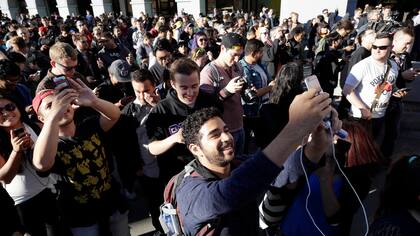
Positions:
{"x": 36, "y": 102}
{"x": 231, "y": 40}
{"x": 121, "y": 70}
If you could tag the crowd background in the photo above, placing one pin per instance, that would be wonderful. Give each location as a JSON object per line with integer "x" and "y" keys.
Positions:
{"x": 132, "y": 63}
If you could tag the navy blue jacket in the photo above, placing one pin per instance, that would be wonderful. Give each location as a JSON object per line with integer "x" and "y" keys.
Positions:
{"x": 232, "y": 199}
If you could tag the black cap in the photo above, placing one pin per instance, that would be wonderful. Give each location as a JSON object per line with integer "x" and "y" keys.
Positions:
{"x": 231, "y": 40}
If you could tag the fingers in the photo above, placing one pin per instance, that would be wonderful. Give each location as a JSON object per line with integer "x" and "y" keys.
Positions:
{"x": 310, "y": 93}
{"x": 336, "y": 123}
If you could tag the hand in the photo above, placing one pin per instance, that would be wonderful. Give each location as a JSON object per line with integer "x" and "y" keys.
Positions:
{"x": 348, "y": 48}
{"x": 34, "y": 77}
{"x": 210, "y": 56}
{"x": 400, "y": 93}
{"x": 152, "y": 99}
{"x": 61, "y": 102}
{"x": 321, "y": 138}
{"x": 366, "y": 114}
{"x": 234, "y": 85}
{"x": 91, "y": 79}
{"x": 100, "y": 63}
{"x": 86, "y": 96}
{"x": 20, "y": 143}
{"x": 125, "y": 100}
{"x": 410, "y": 74}
{"x": 308, "y": 110}
{"x": 178, "y": 138}
{"x": 44, "y": 48}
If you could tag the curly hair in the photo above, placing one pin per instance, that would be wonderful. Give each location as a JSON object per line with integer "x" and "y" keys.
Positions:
{"x": 192, "y": 125}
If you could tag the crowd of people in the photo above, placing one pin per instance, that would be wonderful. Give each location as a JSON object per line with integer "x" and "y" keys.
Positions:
{"x": 91, "y": 107}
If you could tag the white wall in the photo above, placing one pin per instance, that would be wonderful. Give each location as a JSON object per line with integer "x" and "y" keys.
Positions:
{"x": 308, "y": 9}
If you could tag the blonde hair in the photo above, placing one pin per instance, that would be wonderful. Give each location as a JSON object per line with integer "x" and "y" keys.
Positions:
{"x": 197, "y": 53}
{"x": 60, "y": 51}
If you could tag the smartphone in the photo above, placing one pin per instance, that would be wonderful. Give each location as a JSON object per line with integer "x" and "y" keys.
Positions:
{"x": 415, "y": 65}
{"x": 61, "y": 83}
{"x": 312, "y": 82}
{"x": 17, "y": 132}
{"x": 404, "y": 90}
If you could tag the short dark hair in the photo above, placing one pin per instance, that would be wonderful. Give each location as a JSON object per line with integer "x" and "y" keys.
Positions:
{"x": 142, "y": 75}
{"x": 253, "y": 46}
{"x": 345, "y": 24}
{"x": 147, "y": 35}
{"x": 297, "y": 30}
{"x": 183, "y": 66}
{"x": 163, "y": 28}
{"x": 8, "y": 68}
{"x": 162, "y": 45}
{"x": 231, "y": 40}
{"x": 333, "y": 37}
{"x": 192, "y": 125}
{"x": 383, "y": 35}
{"x": 107, "y": 35}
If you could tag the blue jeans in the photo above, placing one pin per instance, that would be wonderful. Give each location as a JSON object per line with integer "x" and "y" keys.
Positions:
{"x": 239, "y": 139}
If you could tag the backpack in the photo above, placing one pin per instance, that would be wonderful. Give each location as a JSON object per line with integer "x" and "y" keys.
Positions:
{"x": 170, "y": 219}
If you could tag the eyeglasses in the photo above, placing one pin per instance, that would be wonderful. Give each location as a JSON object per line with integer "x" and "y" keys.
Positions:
{"x": 9, "y": 107}
{"x": 385, "y": 47}
{"x": 66, "y": 68}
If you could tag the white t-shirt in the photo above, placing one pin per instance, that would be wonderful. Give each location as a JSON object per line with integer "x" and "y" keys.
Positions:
{"x": 366, "y": 77}
{"x": 28, "y": 184}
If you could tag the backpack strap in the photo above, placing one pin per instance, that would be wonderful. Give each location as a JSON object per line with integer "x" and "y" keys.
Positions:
{"x": 216, "y": 75}
{"x": 381, "y": 86}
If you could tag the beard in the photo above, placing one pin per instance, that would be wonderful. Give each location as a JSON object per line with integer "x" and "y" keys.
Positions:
{"x": 218, "y": 157}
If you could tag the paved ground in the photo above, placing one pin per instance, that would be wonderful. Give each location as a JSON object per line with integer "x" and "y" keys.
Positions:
{"x": 407, "y": 143}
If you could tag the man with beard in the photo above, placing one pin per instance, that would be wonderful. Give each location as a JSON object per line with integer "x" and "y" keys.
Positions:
{"x": 89, "y": 199}
{"x": 223, "y": 195}
{"x": 164, "y": 122}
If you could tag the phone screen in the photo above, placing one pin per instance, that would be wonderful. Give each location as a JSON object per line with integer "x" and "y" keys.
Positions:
{"x": 312, "y": 82}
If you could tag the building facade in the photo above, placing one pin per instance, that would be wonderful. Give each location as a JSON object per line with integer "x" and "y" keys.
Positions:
{"x": 12, "y": 8}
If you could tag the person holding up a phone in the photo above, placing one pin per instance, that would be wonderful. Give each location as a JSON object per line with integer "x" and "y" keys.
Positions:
{"x": 31, "y": 193}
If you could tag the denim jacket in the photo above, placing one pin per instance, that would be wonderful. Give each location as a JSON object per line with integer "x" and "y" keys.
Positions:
{"x": 254, "y": 78}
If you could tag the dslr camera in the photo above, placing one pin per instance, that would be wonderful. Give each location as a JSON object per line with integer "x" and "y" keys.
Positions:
{"x": 248, "y": 94}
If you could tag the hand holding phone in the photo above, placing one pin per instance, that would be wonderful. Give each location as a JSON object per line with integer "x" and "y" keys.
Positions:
{"x": 313, "y": 83}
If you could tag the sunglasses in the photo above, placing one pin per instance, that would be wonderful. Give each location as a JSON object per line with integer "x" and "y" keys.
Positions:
{"x": 380, "y": 47}
{"x": 202, "y": 40}
{"x": 9, "y": 107}
{"x": 66, "y": 68}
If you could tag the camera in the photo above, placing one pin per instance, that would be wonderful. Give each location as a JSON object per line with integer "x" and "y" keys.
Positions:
{"x": 248, "y": 94}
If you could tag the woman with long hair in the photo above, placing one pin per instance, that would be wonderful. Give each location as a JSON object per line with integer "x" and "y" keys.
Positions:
{"x": 34, "y": 201}
{"x": 275, "y": 114}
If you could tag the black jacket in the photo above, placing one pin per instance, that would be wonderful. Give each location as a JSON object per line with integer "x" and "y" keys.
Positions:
{"x": 166, "y": 119}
